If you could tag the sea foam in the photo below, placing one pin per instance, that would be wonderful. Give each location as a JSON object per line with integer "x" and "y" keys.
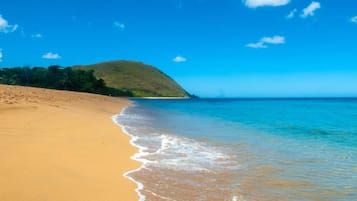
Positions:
{"x": 164, "y": 152}
{"x": 140, "y": 186}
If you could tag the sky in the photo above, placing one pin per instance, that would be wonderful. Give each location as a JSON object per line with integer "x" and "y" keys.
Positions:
{"x": 213, "y": 48}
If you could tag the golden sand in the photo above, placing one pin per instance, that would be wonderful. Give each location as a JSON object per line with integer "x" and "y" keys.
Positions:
{"x": 58, "y": 145}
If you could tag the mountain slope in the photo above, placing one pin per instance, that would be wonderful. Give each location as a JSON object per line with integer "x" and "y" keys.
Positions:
{"x": 140, "y": 79}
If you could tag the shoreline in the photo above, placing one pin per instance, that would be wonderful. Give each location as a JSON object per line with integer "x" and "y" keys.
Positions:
{"x": 160, "y": 98}
{"x": 61, "y": 145}
{"x": 133, "y": 157}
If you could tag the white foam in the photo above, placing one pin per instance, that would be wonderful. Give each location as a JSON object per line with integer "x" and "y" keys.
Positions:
{"x": 161, "y": 197}
{"x": 186, "y": 154}
{"x": 135, "y": 157}
{"x": 237, "y": 198}
{"x": 169, "y": 151}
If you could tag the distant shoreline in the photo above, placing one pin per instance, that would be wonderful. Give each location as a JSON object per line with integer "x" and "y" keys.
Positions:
{"x": 160, "y": 98}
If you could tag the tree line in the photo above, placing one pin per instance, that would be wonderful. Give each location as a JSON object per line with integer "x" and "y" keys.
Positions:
{"x": 57, "y": 77}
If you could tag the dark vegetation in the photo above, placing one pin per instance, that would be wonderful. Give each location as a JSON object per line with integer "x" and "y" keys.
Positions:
{"x": 117, "y": 78}
{"x": 56, "y": 77}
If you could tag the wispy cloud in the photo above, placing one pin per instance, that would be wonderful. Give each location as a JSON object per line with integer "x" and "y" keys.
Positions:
{"x": 292, "y": 14}
{"x": 5, "y": 27}
{"x": 38, "y": 35}
{"x": 354, "y": 19}
{"x": 51, "y": 55}
{"x": 262, "y": 43}
{"x": 119, "y": 25}
{"x": 273, "y": 40}
{"x": 180, "y": 59}
{"x": 258, "y": 45}
{"x": 259, "y": 3}
{"x": 0, "y": 55}
{"x": 310, "y": 10}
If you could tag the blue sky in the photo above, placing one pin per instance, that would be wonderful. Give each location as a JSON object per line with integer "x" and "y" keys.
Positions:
{"x": 227, "y": 48}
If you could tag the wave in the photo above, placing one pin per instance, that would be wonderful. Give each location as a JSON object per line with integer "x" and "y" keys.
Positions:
{"x": 140, "y": 186}
{"x": 160, "y": 152}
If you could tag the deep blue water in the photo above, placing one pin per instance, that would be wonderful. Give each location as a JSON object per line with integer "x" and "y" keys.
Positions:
{"x": 253, "y": 149}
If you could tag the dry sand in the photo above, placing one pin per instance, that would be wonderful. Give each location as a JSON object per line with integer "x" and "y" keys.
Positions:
{"x": 57, "y": 145}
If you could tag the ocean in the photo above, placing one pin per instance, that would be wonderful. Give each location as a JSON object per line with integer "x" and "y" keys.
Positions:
{"x": 244, "y": 149}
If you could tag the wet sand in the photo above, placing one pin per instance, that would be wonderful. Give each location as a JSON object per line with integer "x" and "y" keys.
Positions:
{"x": 58, "y": 145}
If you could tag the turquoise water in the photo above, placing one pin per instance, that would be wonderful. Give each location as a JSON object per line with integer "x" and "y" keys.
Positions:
{"x": 245, "y": 149}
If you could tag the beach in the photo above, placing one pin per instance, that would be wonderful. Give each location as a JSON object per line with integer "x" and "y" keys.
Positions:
{"x": 59, "y": 145}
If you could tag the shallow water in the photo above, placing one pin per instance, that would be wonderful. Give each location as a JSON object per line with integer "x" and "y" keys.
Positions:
{"x": 245, "y": 149}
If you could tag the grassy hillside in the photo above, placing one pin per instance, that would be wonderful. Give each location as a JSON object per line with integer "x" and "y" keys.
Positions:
{"x": 140, "y": 79}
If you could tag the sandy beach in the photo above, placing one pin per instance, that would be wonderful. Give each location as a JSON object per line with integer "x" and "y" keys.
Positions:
{"x": 62, "y": 146}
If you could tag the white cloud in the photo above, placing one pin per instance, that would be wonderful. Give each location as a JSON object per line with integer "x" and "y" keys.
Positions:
{"x": 273, "y": 40}
{"x": 257, "y": 45}
{"x": 310, "y": 10}
{"x": 51, "y": 55}
{"x": 38, "y": 35}
{"x": 180, "y": 59}
{"x": 262, "y": 43}
{"x": 119, "y": 25}
{"x": 291, "y": 14}
{"x": 0, "y": 55}
{"x": 259, "y": 3}
{"x": 354, "y": 19}
{"x": 5, "y": 27}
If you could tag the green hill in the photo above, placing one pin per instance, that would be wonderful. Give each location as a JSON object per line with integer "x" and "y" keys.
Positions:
{"x": 140, "y": 79}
